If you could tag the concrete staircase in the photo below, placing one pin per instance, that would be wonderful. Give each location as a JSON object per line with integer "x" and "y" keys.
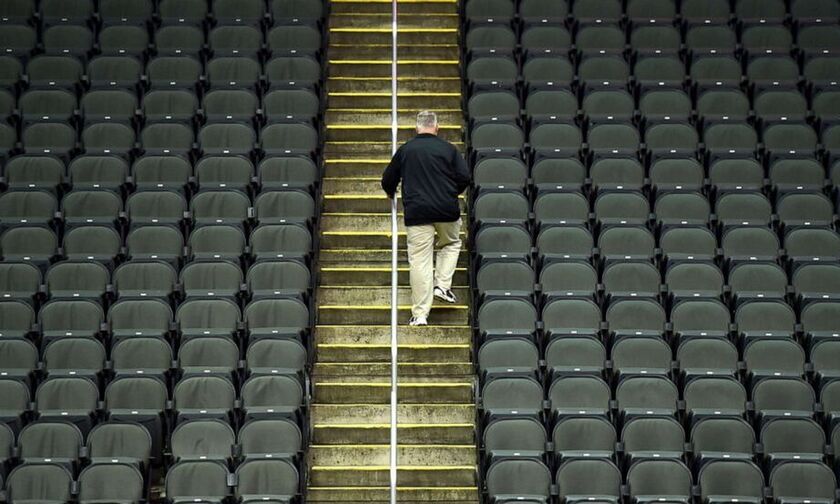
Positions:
{"x": 349, "y": 455}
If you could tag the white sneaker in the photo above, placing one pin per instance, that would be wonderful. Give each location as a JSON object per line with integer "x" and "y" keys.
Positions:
{"x": 445, "y": 295}
{"x": 418, "y": 321}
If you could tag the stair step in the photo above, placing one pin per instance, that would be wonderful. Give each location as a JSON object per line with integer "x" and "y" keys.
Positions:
{"x": 363, "y": 222}
{"x": 381, "y": 334}
{"x": 379, "y": 454}
{"x": 433, "y": 101}
{"x": 328, "y": 295}
{"x": 368, "y": 22}
{"x": 381, "y": 314}
{"x": 406, "y": 118}
{"x": 382, "y": 368}
{"x": 428, "y": 7}
{"x": 414, "y": 354}
{"x": 406, "y": 433}
{"x": 407, "y": 87}
{"x": 406, "y": 68}
{"x": 379, "y": 392}
{"x": 405, "y": 495}
{"x": 373, "y": 239}
{"x": 349, "y": 150}
{"x": 385, "y": 50}
{"x": 362, "y": 275}
{"x": 351, "y": 414}
{"x": 382, "y": 132}
{"x": 457, "y": 475}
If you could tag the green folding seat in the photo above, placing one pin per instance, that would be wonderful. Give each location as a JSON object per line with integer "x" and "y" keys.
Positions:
{"x": 716, "y": 71}
{"x": 654, "y": 479}
{"x": 124, "y": 441}
{"x": 293, "y": 71}
{"x": 18, "y": 356}
{"x": 19, "y": 280}
{"x": 114, "y": 71}
{"x": 781, "y": 106}
{"x": 275, "y": 355}
{"x": 507, "y": 317}
{"x": 17, "y": 40}
{"x": 230, "y": 105}
{"x": 276, "y": 437}
{"x": 277, "y": 278}
{"x": 161, "y": 172}
{"x": 803, "y": 480}
{"x": 125, "y": 11}
{"x": 581, "y": 394}
{"x": 805, "y": 209}
{"x": 204, "y": 279}
{"x": 208, "y": 354}
{"x": 46, "y": 483}
{"x": 47, "y": 105}
{"x": 147, "y": 354}
{"x": 54, "y": 71}
{"x": 652, "y": 438}
{"x": 493, "y": 71}
{"x": 144, "y": 279}
{"x": 773, "y": 72}
{"x": 135, "y": 397}
{"x": 31, "y": 244}
{"x": 34, "y": 172}
{"x": 822, "y": 72}
{"x": 574, "y": 437}
{"x": 723, "y": 480}
{"x": 483, "y": 10}
{"x": 678, "y": 174}
{"x": 631, "y": 280}
{"x": 294, "y": 40}
{"x": 276, "y": 317}
{"x": 790, "y": 141}
{"x": 597, "y": 11}
{"x": 173, "y": 72}
{"x": 124, "y": 40}
{"x": 545, "y": 39}
{"x": 541, "y": 72}
{"x": 700, "y": 317}
{"x": 774, "y": 357}
{"x": 551, "y": 105}
{"x": 156, "y": 207}
{"x": 505, "y": 355}
{"x": 170, "y": 105}
{"x": 269, "y": 480}
{"x": 71, "y": 11}
{"x": 501, "y": 395}
{"x": 223, "y": 172}
{"x": 118, "y": 482}
{"x": 574, "y": 317}
{"x": 92, "y": 243}
{"x": 572, "y": 353}
{"x": 766, "y": 40}
{"x": 68, "y": 279}
{"x": 723, "y": 105}
{"x": 701, "y": 356}
{"x": 193, "y": 12}
{"x": 758, "y": 11}
{"x": 226, "y": 139}
{"x": 278, "y": 395}
{"x": 139, "y": 317}
{"x": 589, "y": 477}
{"x": 557, "y": 173}
{"x": 757, "y": 280}
{"x": 217, "y": 242}
{"x": 238, "y": 12}
{"x": 500, "y": 173}
{"x": 78, "y": 317}
{"x": 178, "y": 40}
{"x": 197, "y": 480}
{"x": 714, "y": 437}
{"x": 608, "y": 106}
{"x": 600, "y": 39}
{"x": 76, "y": 356}
{"x": 792, "y": 438}
{"x": 296, "y": 10}
{"x": 291, "y": 105}
{"x": 203, "y": 440}
{"x": 295, "y": 138}
{"x": 617, "y": 173}
{"x": 27, "y": 207}
{"x": 17, "y": 11}
{"x": 155, "y": 242}
{"x": 659, "y": 72}
{"x": 502, "y": 242}
{"x": 49, "y": 138}
{"x": 736, "y": 174}
{"x": 207, "y": 317}
{"x": 603, "y": 71}
{"x": 622, "y": 208}
{"x": 220, "y": 207}
{"x": 814, "y": 11}
{"x": 825, "y": 106}
{"x": 490, "y": 37}
{"x": 235, "y": 41}
{"x": 108, "y": 105}
{"x": 501, "y": 208}
{"x": 91, "y": 207}
{"x": 66, "y": 397}
{"x": 665, "y": 106}
{"x": 109, "y": 138}
{"x": 647, "y": 11}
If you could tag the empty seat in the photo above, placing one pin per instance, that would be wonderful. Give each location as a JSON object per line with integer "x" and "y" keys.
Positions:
{"x": 202, "y": 439}
{"x": 507, "y": 436}
{"x": 18, "y": 356}
{"x": 220, "y": 207}
{"x": 653, "y": 437}
{"x": 571, "y": 354}
{"x": 706, "y": 356}
{"x": 691, "y": 243}
{"x": 636, "y": 317}
{"x": 707, "y": 317}
{"x": 692, "y": 280}
{"x": 111, "y": 481}
{"x": 503, "y": 395}
{"x": 579, "y": 395}
{"x": 49, "y": 441}
{"x": 725, "y": 480}
{"x": 650, "y": 480}
{"x": 506, "y": 355}
{"x": 208, "y": 354}
{"x": 39, "y": 483}
{"x": 262, "y": 437}
{"x": 787, "y": 438}
{"x": 75, "y": 356}
{"x": 757, "y": 280}
{"x": 66, "y": 397}
{"x": 758, "y": 319}
{"x": 150, "y": 355}
{"x": 221, "y": 172}
{"x": 266, "y": 480}
{"x": 280, "y": 241}
{"x": 783, "y": 397}
{"x": 575, "y": 437}
{"x": 198, "y": 479}
{"x": 155, "y": 242}
{"x": 715, "y": 437}
{"x": 750, "y": 244}
{"x": 641, "y": 356}
{"x": 124, "y": 441}
{"x": 139, "y": 317}
{"x": 271, "y": 394}
{"x": 206, "y": 317}
{"x": 507, "y": 317}
{"x": 797, "y": 480}
{"x": 588, "y": 478}
{"x": 518, "y": 479}
{"x": 204, "y": 395}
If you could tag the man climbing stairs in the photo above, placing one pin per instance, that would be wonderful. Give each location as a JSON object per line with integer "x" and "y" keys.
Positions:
{"x": 348, "y": 458}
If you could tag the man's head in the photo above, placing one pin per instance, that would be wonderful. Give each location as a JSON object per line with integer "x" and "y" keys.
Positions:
{"x": 427, "y": 122}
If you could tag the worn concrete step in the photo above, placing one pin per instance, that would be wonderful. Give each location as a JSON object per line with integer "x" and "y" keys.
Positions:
{"x": 383, "y": 100}
{"x": 375, "y": 295}
{"x": 372, "y": 132}
{"x": 413, "y": 354}
{"x": 381, "y": 334}
{"x": 456, "y": 475}
{"x": 405, "y": 495}
{"x": 407, "y": 87}
{"x": 379, "y": 454}
{"x": 364, "y": 275}
{"x": 406, "y": 118}
{"x": 430, "y": 7}
{"x": 364, "y": 222}
{"x": 381, "y": 314}
{"x": 422, "y": 433}
{"x": 379, "y": 392}
{"x": 382, "y": 369}
{"x": 372, "y": 239}
{"x": 407, "y": 68}
{"x": 383, "y": 51}
{"x": 367, "y": 22}
{"x": 360, "y": 149}
{"x": 347, "y": 36}
{"x": 358, "y": 166}
{"x": 340, "y": 414}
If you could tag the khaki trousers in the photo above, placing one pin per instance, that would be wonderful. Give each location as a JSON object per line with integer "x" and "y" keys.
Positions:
{"x": 423, "y": 275}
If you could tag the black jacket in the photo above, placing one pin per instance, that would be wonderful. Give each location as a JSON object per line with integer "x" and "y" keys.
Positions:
{"x": 433, "y": 174}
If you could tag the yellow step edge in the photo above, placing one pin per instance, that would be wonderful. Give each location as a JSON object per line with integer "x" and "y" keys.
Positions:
{"x": 386, "y": 79}
{"x": 387, "y": 425}
{"x": 390, "y": 46}
{"x": 370, "y": 270}
{"x": 367, "y": 233}
{"x": 387, "y": 307}
{"x": 389, "y": 1}
{"x": 371, "y": 326}
{"x": 381, "y": 445}
{"x": 385, "y": 94}
{"x": 357, "y": 160}
{"x": 389, "y": 30}
{"x": 386, "y": 110}
{"x": 388, "y": 62}
{"x": 404, "y": 385}
{"x": 384, "y": 126}
{"x": 403, "y": 345}
{"x": 402, "y": 467}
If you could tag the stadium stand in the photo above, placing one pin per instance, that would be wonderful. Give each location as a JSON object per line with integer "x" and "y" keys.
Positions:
{"x": 160, "y": 168}
{"x": 655, "y": 246}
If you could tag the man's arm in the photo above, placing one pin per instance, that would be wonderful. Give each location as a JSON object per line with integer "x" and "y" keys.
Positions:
{"x": 461, "y": 173}
{"x": 392, "y": 175}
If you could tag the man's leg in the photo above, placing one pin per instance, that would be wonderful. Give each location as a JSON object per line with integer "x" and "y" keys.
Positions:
{"x": 449, "y": 242}
{"x": 421, "y": 270}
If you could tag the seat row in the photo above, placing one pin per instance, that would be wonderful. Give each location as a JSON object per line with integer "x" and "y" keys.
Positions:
{"x": 649, "y": 11}
{"x": 160, "y": 172}
{"x": 193, "y": 12}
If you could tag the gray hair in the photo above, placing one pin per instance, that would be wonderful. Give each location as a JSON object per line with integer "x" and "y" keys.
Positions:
{"x": 426, "y": 119}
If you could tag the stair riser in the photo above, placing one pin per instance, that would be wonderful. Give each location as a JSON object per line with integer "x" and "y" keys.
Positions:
{"x": 385, "y": 51}
{"x": 377, "y": 278}
{"x": 406, "y": 119}
{"x": 340, "y": 68}
{"x": 381, "y": 335}
{"x": 364, "y": 223}
{"x": 359, "y": 393}
{"x": 376, "y": 455}
{"x": 428, "y": 8}
{"x": 383, "y": 354}
{"x": 406, "y": 87}
{"x": 363, "y": 150}
{"x": 404, "y": 495}
{"x": 405, "y": 435}
{"x": 440, "y": 476}
{"x": 361, "y": 316}
{"x": 380, "y": 134}
{"x": 349, "y": 168}
{"x": 382, "y": 21}
{"x": 404, "y": 102}
{"x": 375, "y": 296}
{"x": 382, "y": 369}
{"x": 378, "y": 241}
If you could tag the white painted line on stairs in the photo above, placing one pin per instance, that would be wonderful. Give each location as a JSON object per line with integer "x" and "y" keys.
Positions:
{"x": 394, "y": 258}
